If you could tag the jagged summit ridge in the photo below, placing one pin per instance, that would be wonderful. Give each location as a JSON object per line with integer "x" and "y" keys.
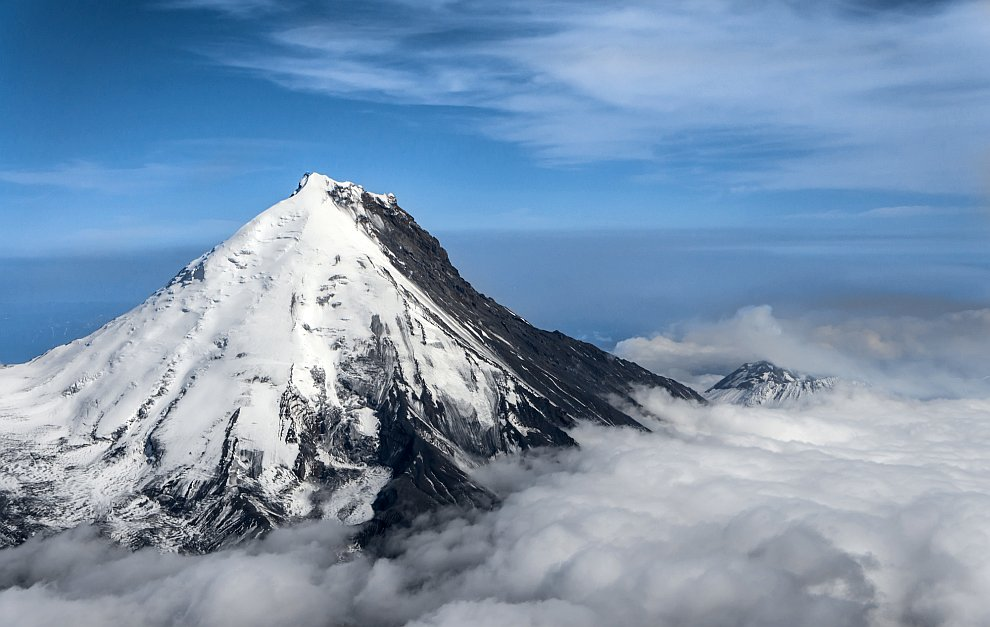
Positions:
{"x": 763, "y": 383}
{"x": 327, "y": 360}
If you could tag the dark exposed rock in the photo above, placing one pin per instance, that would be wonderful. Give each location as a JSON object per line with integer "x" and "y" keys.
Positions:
{"x": 574, "y": 380}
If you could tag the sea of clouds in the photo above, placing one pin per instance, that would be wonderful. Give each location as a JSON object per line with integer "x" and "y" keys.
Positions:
{"x": 866, "y": 506}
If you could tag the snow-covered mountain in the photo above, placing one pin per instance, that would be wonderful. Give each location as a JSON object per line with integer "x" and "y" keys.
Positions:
{"x": 325, "y": 361}
{"x": 762, "y": 383}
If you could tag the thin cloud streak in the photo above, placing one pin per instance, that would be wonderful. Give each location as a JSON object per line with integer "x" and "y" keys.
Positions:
{"x": 101, "y": 178}
{"x": 898, "y": 212}
{"x": 90, "y": 176}
{"x": 236, "y": 8}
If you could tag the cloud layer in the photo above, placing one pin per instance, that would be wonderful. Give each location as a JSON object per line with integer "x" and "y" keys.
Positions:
{"x": 859, "y": 509}
{"x": 942, "y": 355}
{"x": 773, "y": 94}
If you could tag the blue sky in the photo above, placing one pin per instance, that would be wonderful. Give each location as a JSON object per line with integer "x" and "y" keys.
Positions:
{"x": 161, "y": 126}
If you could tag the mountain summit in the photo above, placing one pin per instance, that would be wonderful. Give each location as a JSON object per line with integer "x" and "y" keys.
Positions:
{"x": 325, "y": 361}
{"x": 763, "y": 383}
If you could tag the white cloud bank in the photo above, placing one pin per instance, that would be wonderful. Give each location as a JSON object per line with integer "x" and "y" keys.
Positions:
{"x": 943, "y": 355}
{"x": 859, "y": 509}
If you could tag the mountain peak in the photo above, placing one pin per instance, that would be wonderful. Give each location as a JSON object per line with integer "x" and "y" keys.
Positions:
{"x": 325, "y": 361}
{"x": 323, "y": 182}
{"x": 753, "y": 371}
{"x": 762, "y": 382}
{"x": 316, "y": 183}
{"x": 322, "y": 214}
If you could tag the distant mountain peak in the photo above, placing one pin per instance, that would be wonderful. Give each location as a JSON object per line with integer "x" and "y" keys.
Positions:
{"x": 325, "y": 361}
{"x": 764, "y": 383}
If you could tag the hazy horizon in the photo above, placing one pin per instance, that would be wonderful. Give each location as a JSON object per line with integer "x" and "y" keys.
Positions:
{"x": 566, "y": 280}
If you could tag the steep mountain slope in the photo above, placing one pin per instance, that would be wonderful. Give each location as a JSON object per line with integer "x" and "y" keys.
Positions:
{"x": 325, "y": 361}
{"x": 762, "y": 383}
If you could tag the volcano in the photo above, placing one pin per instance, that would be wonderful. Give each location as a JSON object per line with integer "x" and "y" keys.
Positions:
{"x": 326, "y": 361}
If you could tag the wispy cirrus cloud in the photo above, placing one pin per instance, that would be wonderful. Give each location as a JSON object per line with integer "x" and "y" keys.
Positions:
{"x": 893, "y": 212}
{"x": 169, "y": 163}
{"x": 236, "y": 8}
{"x": 773, "y": 95}
{"x": 92, "y": 176}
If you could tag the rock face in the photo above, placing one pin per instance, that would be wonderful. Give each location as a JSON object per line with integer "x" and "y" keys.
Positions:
{"x": 762, "y": 383}
{"x": 325, "y": 361}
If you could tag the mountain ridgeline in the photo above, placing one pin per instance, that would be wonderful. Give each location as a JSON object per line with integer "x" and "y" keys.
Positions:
{"x": 325, "y": 361}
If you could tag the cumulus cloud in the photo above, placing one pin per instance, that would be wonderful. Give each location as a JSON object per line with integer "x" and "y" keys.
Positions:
{"x": 943, "y": 355}
{"x": 857, "y": 509}
{"x": 772, "y": 94}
